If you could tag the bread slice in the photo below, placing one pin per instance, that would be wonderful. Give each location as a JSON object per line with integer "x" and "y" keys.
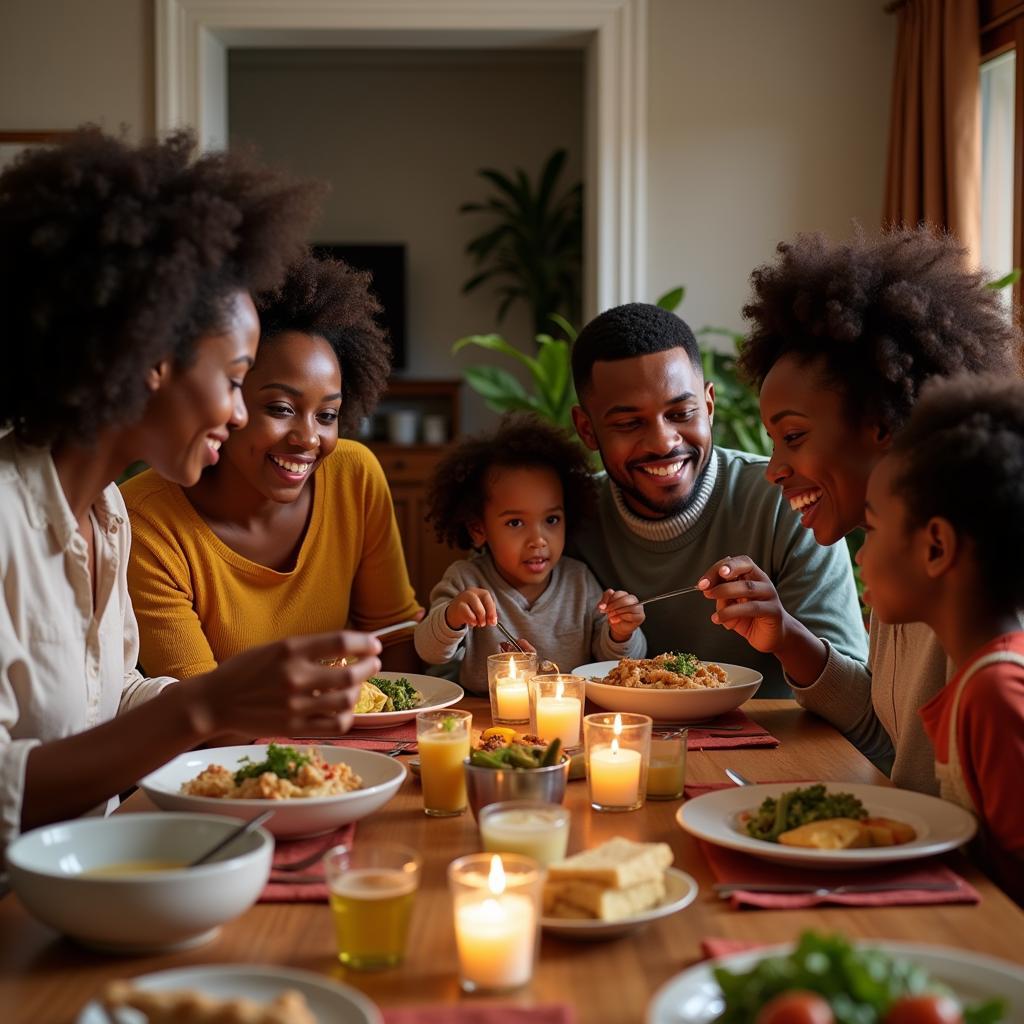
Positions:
{"x": 575, "y": 898}
{"x": 616, "y": 864}
{"x": 829, "y": 834}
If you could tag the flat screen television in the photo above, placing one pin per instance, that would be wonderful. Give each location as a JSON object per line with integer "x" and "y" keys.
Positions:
{"x": 386, "y": 263}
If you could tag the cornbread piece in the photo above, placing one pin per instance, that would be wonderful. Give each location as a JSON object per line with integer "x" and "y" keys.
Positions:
{"x": 888, "y": 832}
{"x": 575, "y": 898}
{"x": 830, "y": 834}
{"x": 616, "y": 864}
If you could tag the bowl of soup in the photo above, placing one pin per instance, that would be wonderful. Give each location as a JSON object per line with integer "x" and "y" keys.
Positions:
{"x": 120, "y": 884}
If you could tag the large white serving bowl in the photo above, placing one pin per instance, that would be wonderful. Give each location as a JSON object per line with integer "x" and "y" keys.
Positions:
{"x": 146, "y": 912}
{"x": 311, "y": 816}
{"x": 670, "y": 705}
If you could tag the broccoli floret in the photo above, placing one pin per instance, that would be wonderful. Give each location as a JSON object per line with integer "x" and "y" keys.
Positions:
{"x": 400, "y": 693}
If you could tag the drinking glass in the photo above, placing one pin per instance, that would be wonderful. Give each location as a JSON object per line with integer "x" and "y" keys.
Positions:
{"x": 443, "y": 740}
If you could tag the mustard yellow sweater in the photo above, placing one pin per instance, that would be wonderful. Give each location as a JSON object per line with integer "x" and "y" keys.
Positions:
{"x": 199, "y": 602}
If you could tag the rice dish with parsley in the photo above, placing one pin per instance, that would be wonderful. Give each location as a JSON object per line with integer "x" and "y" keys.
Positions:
{"x": 669, "y": 671}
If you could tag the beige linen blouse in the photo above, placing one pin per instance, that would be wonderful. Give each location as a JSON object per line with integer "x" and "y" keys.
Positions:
{"x": 64, "y": 667}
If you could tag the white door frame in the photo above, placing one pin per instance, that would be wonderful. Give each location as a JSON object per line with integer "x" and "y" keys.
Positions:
{"x": 192, "y": 38}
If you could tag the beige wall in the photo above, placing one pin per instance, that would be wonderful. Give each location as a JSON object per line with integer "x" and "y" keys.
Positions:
{"x": 65, "y": 62}
{"x": 766, "y": 117}
{"x": 400, "y": 136}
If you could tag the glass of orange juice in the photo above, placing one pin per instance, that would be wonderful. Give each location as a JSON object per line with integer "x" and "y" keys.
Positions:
{"x": 443, "y": 740}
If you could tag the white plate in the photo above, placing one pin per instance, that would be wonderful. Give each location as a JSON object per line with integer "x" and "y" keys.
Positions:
{"x": 940, "y": 825}
{"x": 694, "y": 997}
{"x": 437, "y": 693}
{"x": 310, "y": 816}
{"x": 331, "y": 1002}
{"x": 670, "y": 705}
{"x": 681, "y": 891}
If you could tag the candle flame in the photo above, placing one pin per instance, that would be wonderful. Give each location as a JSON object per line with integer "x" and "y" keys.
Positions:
{"x": 559, "y": 687}
{"x": 617, "y": 727}
{"x": 511, "y": 667}
{"x": 496, "y": 878}
{"x": 615, "y": 746}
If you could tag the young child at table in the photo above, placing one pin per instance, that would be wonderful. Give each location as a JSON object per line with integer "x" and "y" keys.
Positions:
{"x": 509, "y": 496}
{"x": 945, "y": 546}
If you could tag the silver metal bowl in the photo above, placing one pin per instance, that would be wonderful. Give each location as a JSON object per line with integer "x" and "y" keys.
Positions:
{"x": 493, "y": 785}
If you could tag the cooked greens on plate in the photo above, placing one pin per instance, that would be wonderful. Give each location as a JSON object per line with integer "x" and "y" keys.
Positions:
{"x": 798, "y": 807}
{"x": 379, "y": 694}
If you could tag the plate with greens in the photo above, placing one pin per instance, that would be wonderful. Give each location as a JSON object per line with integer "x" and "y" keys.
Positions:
{"x": 390, "y": 698}
{"x": 671, "y": 705}
{"x": 378, "y": 779}
{"x": 751, "y": 818}
{"x": 862, "y": 982}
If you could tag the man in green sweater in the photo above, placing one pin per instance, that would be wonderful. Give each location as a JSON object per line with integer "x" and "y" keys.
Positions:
{"x": 673, "y": 503}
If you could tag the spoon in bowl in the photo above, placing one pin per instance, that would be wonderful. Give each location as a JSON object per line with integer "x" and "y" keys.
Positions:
{"x": 246, "y": 826}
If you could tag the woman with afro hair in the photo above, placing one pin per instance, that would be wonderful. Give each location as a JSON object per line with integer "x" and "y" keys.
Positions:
{"x": 293, "y": 530}
{"x": 844, "y": 337}
{"x": 126, "y": 276}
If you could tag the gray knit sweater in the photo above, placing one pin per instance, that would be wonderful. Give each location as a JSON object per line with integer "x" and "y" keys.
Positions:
{"x": 563, "y": 623}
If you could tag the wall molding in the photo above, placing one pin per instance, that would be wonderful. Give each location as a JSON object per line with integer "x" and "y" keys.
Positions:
{"x": 193, "y": 36}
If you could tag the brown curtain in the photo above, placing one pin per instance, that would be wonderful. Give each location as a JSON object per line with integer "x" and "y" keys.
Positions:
{"x": 934, "y": 172}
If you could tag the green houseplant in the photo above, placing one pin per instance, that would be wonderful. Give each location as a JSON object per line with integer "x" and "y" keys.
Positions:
{"x": 532, "y": 249}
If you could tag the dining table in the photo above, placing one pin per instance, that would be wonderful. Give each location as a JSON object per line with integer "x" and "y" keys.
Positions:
{"x": 47, "y": 978}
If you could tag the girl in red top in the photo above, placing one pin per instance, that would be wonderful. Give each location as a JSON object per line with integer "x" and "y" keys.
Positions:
{"x": 945, "y": 546}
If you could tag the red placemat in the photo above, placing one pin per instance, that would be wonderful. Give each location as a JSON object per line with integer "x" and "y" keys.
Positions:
{"x": 463, "y": 1013}
{"x": 731, "y": 866}
{"x": 290, "y": 851}
{"x": 750, "y": 734}
{"x": 363, "y": 739}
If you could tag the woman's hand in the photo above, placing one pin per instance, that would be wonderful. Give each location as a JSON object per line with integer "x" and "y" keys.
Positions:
{"x": 285, "y": 688}
{"x": 747, "y": 603}
{"x": 625, "y": 614}
{"x": 473, "y": 607}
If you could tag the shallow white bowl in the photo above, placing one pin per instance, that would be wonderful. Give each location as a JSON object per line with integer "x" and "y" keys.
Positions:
{"x": 142, "y": 913}
{"x": 313, "y": 816}
{"x": 670, "y": 705}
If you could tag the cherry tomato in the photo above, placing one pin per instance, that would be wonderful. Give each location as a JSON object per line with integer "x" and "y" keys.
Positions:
{"x": 796, "y": 1007}
{"x": 925, "y": 1010}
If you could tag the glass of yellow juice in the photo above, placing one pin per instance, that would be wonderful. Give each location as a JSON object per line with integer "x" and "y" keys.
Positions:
{"x": 372, "y": 887}
{"x": 443, "y": 740}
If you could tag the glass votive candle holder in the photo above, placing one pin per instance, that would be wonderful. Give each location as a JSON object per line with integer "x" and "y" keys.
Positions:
{"x": 618, "y": 751}
{"x": 496, "y": 906}
{"x": 556, "y": 708}
{"x": 534, "y": 829}
{"x": 508, "y": 676}
{"x": 666, "y": 773}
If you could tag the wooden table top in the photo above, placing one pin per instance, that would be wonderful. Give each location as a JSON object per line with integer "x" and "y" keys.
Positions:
{"x": 46, "y": 978}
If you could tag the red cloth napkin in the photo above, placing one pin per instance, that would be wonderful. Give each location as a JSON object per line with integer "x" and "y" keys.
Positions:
{"x": 733, "y": 866}
{"x": 751, "y": 735}
{"x": 364, "y": 739}
{"x": 471, "y": 1013}
{"x": 289, "y": 851}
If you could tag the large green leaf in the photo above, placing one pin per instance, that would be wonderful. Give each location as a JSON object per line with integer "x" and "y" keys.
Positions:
{"x": 570, "y": 331}
{"x": 496, "y": 343}
{"x": 552, "y": 376}
{"x": 671, "y": 299}
{"x": 1005, "y": 281}
{"x": 501, "y": 391}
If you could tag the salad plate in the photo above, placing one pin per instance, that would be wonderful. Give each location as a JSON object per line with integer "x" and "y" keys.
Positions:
{"x": 306, "y": 816}
{"x": 680, "y": 891}
{"x": 694, "y": 996}
{"x": 940, "y": 826}
{"x": 669, "y": 705}
{"x": 435, "y": 693}
{"x": 330, "y": 1001}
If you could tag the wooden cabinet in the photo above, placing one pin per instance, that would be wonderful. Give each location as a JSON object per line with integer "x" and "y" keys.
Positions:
{"x": 409, "y": 470}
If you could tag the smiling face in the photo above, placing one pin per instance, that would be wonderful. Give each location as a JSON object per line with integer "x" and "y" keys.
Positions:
{"x": 820, "y": 460}
{"x": 523, "y": 525}
{"x": 192, "y": 408}
{"x": 293, "y": 394}
{"x": 650, "y": 418}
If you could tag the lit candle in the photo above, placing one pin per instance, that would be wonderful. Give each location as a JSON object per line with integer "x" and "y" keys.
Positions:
{"x": 614, "y": 773}
{"x": 495, "y": 936}
{"x": 559, "y": 717}
{"x": 513, "y": 695}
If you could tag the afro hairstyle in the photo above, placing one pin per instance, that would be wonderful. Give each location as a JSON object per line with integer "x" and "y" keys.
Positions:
{"x": 329, "y": 299}
{"x": 458, "y": 491}
{"x": 883, "y": 315}
{"x": 623, "y": 332}
{"x": 114, "y": 258}
{"x": 961, "y": 457}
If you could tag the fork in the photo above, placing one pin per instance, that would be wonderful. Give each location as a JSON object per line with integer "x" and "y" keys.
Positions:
{"x": 726, "y": 888}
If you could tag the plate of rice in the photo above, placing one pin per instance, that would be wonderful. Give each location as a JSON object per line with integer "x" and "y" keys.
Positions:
{"x": 670, "y": 687}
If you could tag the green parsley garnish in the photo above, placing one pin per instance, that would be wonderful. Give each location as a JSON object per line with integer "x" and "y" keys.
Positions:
{"x": 282, "y": 761}
{"x": 682, "y": 664}
{"x": 448, "y": 723}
